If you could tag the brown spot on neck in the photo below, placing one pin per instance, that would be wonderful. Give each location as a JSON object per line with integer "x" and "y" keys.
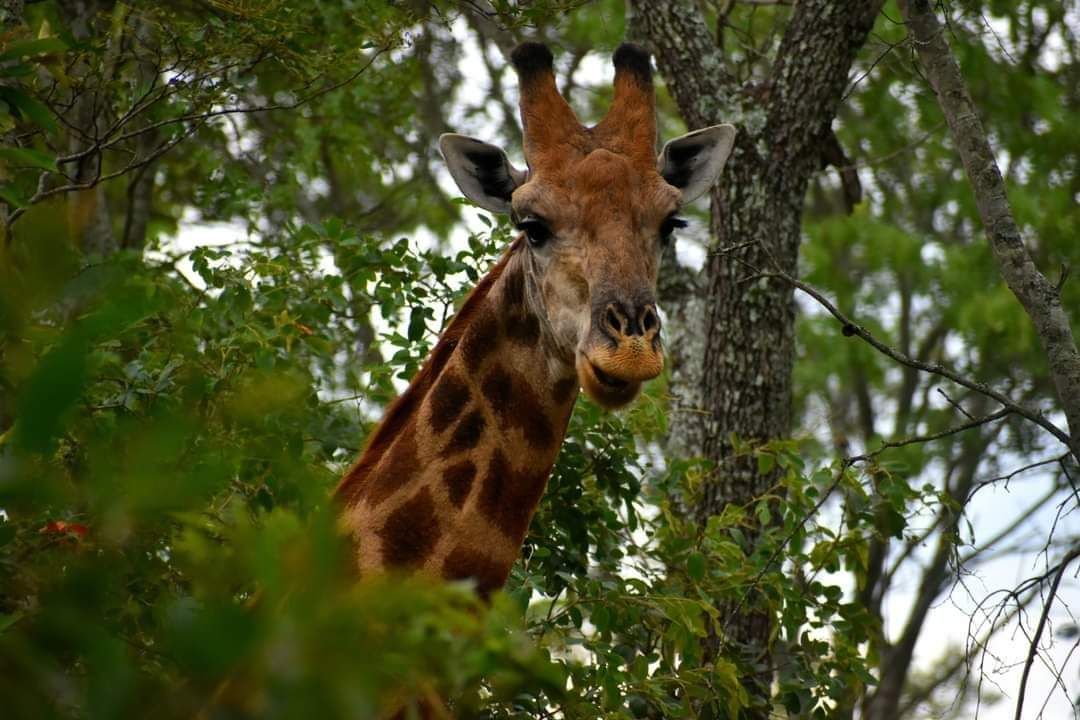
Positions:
{"x": 523, "y": 329}
{"x": 458, "y": 479}
{"x": 516, "y": 404}
{"x": 481, "y": 339}
{"x": 508, "y": 497}
{"x": 520, "y": 322}
{"x": 466, "y": 435}
{"x": 411, "y": 531}
{"x": 398, "y": 466}
{"x": 464, "y": 563}
{"x": 408, "y": 404}
{"x": 447, "y": 400}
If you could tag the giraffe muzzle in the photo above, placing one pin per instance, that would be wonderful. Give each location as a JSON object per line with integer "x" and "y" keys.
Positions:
{"x": 623, "y": 351}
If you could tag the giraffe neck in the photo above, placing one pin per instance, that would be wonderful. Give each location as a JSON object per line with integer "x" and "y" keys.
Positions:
{"x": 450, "y": 480}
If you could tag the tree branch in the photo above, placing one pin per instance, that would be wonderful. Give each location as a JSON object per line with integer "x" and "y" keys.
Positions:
{"x": 805, "y": 87}
{"x": 1039, "y": 297}
{"x": 851, "y": 328}
{"x": 1020, "y": 519}
{"x": 973, "y": 423}
{"x": 1033, "y": 649}
{"x": 914, "y": 696}
{"x": 197, "y": 120}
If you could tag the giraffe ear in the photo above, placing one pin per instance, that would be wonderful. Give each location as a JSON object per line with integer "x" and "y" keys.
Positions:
{"x": 694, "y": 161}
{"x": 482, "y": 171}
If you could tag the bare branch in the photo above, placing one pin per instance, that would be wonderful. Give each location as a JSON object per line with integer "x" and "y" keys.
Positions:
{"x": 977, "y": 644}
{"x": 973, "y": 423}
{"x": 134, "y": 164}
{"x": 955, "y": 404}
{"x": 1010, "y": 475}
{"x": 1033, "y": 649}
{"x": 850, "y": 328}
{"x": 1039, "y": 297}
{"x": 1021, "y": 518}
{"x": 197, "y": 120}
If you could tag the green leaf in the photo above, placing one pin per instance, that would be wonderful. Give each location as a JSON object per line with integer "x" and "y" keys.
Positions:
{"x": 695, "y": 566}
{"x": 601, "y": 618}
{"x": 28, "y": 157}
{"x": 417, "y": 325}
{"x": 7, "y": 621}
{"x": 30, "y": 108}
{"x": 19, "y": 70}
{"x": 11, "y": 195}
{"x": 36, "y": 46}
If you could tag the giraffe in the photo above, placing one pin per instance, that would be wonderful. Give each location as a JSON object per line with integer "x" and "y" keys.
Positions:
{"x": 450, "y": 479}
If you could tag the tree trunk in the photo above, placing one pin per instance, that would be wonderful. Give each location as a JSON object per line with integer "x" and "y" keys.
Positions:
{"x": 756, "y": 217}
{"x": 89, "y": 219}
{"x": 140, "y": 191}
{"x": 884, "y": 702}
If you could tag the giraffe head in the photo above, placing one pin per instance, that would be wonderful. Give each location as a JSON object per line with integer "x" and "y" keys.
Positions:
{"x": 596, "y": 206}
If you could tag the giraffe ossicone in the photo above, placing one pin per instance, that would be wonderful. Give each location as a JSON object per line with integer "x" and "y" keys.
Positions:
{"x": 450, "y": 479}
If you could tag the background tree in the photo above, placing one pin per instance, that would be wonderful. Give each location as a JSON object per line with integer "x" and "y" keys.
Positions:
{"x": 741, "y": 51}
{"x": 785, "y": 101}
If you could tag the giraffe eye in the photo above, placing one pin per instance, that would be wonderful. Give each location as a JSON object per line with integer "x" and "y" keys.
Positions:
{"x": 669, "y": 226}
{"x": 535, "y": 229}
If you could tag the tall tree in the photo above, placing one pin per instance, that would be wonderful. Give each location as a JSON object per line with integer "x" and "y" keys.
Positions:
{"x": 784, "y": 117}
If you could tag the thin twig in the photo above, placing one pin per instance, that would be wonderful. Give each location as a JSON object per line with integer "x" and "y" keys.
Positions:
{"x": 1033, "y": 649}
{"x": 199, "y": 120}
{"x": 955, "y": 404}
{"x": 850, "y": 327}
{"x": 973, "y": 423}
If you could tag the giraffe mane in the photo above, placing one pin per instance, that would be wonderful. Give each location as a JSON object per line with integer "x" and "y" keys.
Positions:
{"x": 400, "y": 410}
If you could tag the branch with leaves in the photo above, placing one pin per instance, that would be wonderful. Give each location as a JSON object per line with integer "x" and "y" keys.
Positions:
{"x": 1040, "y": 298}
{"x": 851, "y": 328}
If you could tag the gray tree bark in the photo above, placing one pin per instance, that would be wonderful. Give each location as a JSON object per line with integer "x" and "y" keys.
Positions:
{"x": 783, "y": 124}
{"x": 88, "y": 210}
{"x": 140, "y": 191}
{"x": 1040, "y": 298}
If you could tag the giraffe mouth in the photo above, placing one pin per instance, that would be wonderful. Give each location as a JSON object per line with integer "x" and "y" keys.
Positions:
{"x": 603, "y": 388}
{"x": 609, "y": 381}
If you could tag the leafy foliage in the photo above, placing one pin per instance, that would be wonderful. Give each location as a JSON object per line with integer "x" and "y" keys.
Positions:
{"x": 168, "y": 533}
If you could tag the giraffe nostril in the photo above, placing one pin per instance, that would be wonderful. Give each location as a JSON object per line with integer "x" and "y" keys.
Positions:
{"x": 649, "y": 320}
{"x": 613, "y": 320}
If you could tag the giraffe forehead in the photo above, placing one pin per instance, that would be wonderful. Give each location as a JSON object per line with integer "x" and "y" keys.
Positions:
{"x": 596, "y": 188}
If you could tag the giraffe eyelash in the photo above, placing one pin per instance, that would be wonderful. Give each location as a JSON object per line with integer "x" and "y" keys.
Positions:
{"x": 536, "y": 230}
{"x": 670, "y": 225}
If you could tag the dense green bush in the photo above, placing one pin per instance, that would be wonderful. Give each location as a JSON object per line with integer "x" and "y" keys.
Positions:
{"x": 169, "y": 542}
